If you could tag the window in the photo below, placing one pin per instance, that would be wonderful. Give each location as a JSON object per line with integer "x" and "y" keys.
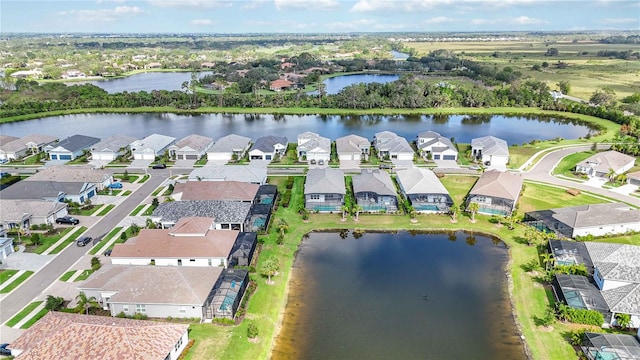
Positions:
{"x": 125, "y": 308}
{"x": 142, "y": 309}
{"x": 192, "y": 260}
{"x": 314, "y": 196}
{"x": 179, "y": 262}
{"x": 225, "y": 226}
{"x": 178, "y": 344}
{"x": 182, "y": 310}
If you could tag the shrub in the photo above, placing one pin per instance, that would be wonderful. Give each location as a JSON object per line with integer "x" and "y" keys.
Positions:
{"x": 140, "y": 316}
{"x": 289, "y": 183}
{"x": 224, "y": 321}
{"x": 95, "y": 263}
{"x": 576, "y": 337}
{"x": 184, "y": 353}
{"x": 252, "y": 331}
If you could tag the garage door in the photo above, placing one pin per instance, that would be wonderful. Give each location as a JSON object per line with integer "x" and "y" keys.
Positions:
{"x": 448, "y": 157}
{"x": 91, "y": 193}
{"x": 436, "y": 157}
{"x": 191, "y": 157}
{"x": 54, "y": 157}
{"x": 635, "y": 182}
{"x": 64, "y": 157}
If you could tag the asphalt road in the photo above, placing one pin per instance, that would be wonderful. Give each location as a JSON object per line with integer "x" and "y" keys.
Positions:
{"x": 41, "y": 280}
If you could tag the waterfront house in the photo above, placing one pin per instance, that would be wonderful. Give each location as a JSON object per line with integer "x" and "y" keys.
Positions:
{"x": 215, "y": 190}
{"x": 423, "y": 189}
{"x": 151, "y": 146}
{"x": 433, "y": 146}
{"x": 496, "y": 192}
{"x": 280, "y": 85}
{"x": 13, "y": 148}
{"x": 226, "y": 215}
{"x": 228, "y": 148}
{"x": 352, "y": 147}
{"x": 71, "y": 147}
{"x": 600, "y": 164}
{"x": 111, "y": 147}
{"x": 390, "y": 146}
{"x": 490, "y": 150}
{"x": 599, "y": 346}
{"x": 313, "y": 147}
{"x": 324, "y": 190}
{"x": 268, "y": 147}
{"x": 374, "y": 191}
{"x": 192, "y": 147}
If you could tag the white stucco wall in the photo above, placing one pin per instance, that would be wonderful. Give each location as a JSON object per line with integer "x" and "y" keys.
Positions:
{"x": 604, "y": 230}
{"x": 226, "y": 156}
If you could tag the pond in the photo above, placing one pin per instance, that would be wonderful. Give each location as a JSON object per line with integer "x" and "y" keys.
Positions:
{"x": 399, "y": 296}
{"x": 515, "y": 130}
{"x": 147, "y": 81}
{"x": 335, "y": 84}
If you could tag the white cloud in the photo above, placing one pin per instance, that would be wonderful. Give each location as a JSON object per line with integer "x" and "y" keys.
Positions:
{"x": 253, "y": 4}
{"x": 405, "y": 5}
{"x": 620, "y": 20}
{"x": 101, "y": 15}
{"x": 202, "y": 22}
{"x": 307, "y": 4}
{"x": 205, "y": 4}
{"x": 438, "y": 20}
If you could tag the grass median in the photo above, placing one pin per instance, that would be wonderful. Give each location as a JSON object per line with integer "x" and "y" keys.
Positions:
{"x": 104, "y": 240}
{"x": 6, "y": 275}
{"x": 104, "y": 211}
{"x": 69, "y": 240}
{"x": 24, "y": 312}
{"x": 16, "y": 282}
{"x": 34, "y": 319}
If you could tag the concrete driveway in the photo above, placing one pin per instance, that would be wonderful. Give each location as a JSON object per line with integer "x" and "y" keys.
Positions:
{"x": 140, "y": 164}
{"x": 184, "y": 164}
{"x": 26, "y": 261}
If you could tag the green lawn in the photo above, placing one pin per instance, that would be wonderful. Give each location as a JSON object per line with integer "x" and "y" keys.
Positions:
{"x": 541, "y": 197}
{"x": 105, "y": 210}
{"x": 137, "y": 210}
{"x": 67, "y": 275}
{"x": 144, "y": 179}
{"x": 24, "y": 312}
{"x": 47, "y": 241}
{"x": 104, "y": 240}
{"x": 127, "y": 193}
{"x": 85, "y": 274}
{"x": 458, "y": 186}
{"x": 71, "y": 239}
{"x": 14, "y": 284}
{"x": 35, "y": 318}
{"x": 157, "y": 191}
{"x": 568, "y": 163}
{"x": 5, "y": 275}
{"x": 519, "y": 154}
{"x": 84, "y": 212}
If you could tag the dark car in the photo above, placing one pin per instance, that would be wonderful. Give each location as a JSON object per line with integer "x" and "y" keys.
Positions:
{"x": 107, "y": 253}
{"x": 84, "y": 241}
{"x": 159, "y": 166}
{"x": 385, "y": 166}
{"x": 4, "y": 351}
{"x": 67, "y": 220}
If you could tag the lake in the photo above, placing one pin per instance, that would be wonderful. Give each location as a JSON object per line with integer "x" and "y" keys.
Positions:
{"x": 515, "y": 130}
{"x": 335, "y": 84}
{"x": 146, "y": 81}
{"x": 399, "y": 296}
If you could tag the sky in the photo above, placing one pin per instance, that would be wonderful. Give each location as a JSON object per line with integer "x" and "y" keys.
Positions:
{"x": 315, "y": 16}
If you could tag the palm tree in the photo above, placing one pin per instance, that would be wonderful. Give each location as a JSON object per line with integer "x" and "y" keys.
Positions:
{"x": 86, "y": 303}
{"x": 283, "y": 226}
{"x": 454, "y": 210}
{"x": 547, "y": 259}
{"x": 622, "y": 178}
{"x": 358, "y": 209}
{"x": 345, "y": 209}
{"x": 611, "y": 175}
{"x": 473, "y": 209}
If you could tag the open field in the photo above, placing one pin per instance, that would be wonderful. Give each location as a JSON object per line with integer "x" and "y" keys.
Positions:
{"x": 586, "y": 73}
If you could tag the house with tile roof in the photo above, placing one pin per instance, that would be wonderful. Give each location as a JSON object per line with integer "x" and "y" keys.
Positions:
{"x": 192, "y": 241}
{"x": 633, "y": 178}
{"x": 496, "y": 192}
{"x": 594, "y": 219}
{"x": 215, "y": 190}
{"x": 435, "y": 146}
{"x": 324, "y": 190}
{"x": 374, "y": 191}
{"x": 352, "y": 147}
{"x": 242, "y": 173}
{"x": 111, "y": 147}
{"x": 268, "y": 147}
{"x": 390, "y": 146}
{"x": 226, "y": 215}
{"x": 13, "y": 148}
{"x": 423, "y": 189}
{"x": 312, "y": 146}
{"x": 71, "y": 147}
{"x": 229, "y": 147}
{"x": 280, "y": 85}
{"x": 490, "y": 150}
{"x": 24, "y": 213}
{"x": 600, "y": 164}
{"x": 59, "y": 335}
{"x": 192, "y": 147}
{"x": 151, "y": 146}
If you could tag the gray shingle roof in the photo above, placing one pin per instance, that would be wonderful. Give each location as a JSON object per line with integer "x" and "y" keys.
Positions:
{"x": 230, "y": 143}
{"x": 499, "y": 184}
{"x": 64, "y": 173}
{"x": 491, "y": 145}
{"x": 77, "y": 142}
{"x": 325, "y": 181}
{"x": 420, "y": 181}
{"x": 375, "y": 181}
{"x": 397, "y": 145}
{"x": 313, "y": 141}
{"x": 40, "y": 189}
{"x": 194, "y": 141}
{"x": 156, "y": 142}
{"x": 113, "y": 143}
{"x": 616, "y": 261}
{"x": 596, "y": 215}
{"x": 244, "y": 173}
{"x": 607, "y": 160}
{"x": 16, "y": 209}
{"x": 267, "y": 143}
{"x": 221, "y": 211}
{"x": 624, "y": 299}
{"x": 351, "y": 144}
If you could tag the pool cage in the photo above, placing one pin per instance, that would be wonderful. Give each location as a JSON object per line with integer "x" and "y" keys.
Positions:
{"x": 579, "y": 292}
{"x": 597, "y": 346}
{"x": 492, "y": 205}
{"x": 243, "y": 249}
{"x": 223, "y": 301}
{"x": 266, "y": 195}
{"x": 566, "y": 252}
{"x": 430, "y": 202}
{"x": 258, "y": 218}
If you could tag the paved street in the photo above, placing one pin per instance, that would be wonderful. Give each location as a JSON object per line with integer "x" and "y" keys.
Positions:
{"x": 41, "y": 280}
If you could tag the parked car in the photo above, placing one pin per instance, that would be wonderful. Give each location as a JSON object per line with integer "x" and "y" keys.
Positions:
{"x": 84, "y": 241}
{"x": 4, "y": 351}
{"x": 320, "y": 162}
{"x": 159, "y": 166}
{"x": 116, "y": 185}
{"x": 107, "y": 253}
{"x": 312, "y": 161}
{"x": 385, "y": 166}
{"x": 67, "y": 220}
{"x": 3, "y": 161}
{"x": 3, "y": 174}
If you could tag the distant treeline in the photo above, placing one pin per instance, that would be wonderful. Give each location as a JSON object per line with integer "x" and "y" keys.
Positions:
{"x": 621, "y": 39}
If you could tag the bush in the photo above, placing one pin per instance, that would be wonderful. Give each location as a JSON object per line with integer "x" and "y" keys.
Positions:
{"x": 224, "y": 321}
{"x": 252, "y": 331}
{"x": 95, "y": 263}
{"x": 289, "y": 183}
{"x": 586, "y": 317}
{"x": 139, "y": 316}
{"x": 286, "y": 199}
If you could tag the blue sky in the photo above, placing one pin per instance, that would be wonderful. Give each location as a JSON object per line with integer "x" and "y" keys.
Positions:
{"x": 309, "y": 16}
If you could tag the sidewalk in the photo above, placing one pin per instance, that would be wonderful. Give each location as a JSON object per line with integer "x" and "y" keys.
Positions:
{"x": 62, "y": 239}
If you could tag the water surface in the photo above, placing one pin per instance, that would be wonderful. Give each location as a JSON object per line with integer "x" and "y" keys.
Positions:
{"x": 399, "y": 296}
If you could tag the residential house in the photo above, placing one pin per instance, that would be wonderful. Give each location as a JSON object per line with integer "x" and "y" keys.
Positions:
{"x": 280, "y": 85}
{"x": 634, "y": 178}
{"x": 490, "y": 150}
{"x": 324, "y": 190}
{"x": 6, "y": 245}
{"x": 59, "y": 335}
{"x": 391, "y": 146}
{"x": 423, "y": 189}
{"x": 260, "y": 212}
{"x": 192, "y": 241}
{"x": 599, "y": 346}
{"x": 74, "y": 174}
{"x": 603, "y": 163}
{"x": 4, "y": 140}
{"x": 374, "y": 191}
{"x": 215, "y": 190}
{"x": 151, "y": 146}
{"x": 241, "y": 173}
{"x": 50, "y": 191}
{"x": 594, "y": 219}
{"x": 226, "y": 215}
{"x": 313, "y": 147}
{"x": 579, "y": 292}
{"x": 228, "y": 148}
{"x": 243, "y": 249}
{"x": 111, "y": 147}
{"x": 73, "y": 74}
{"x": 25, "y": 213}
{"x": 192, "y": 147}
{"x": 352, "y": 147}
{"x": 12, "y": 148}
{"x": 71, "y": 147}
{"x": 496, "y": 192}
{"x": 268, "y": 147}
{"x": 433, "y": 146}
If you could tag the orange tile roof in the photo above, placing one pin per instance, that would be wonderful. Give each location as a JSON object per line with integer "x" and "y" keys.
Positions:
{"x": 72, "y": 336}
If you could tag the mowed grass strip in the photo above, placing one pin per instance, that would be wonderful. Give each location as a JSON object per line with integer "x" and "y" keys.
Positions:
{"x": 48, "y": 241}
{"x": 137, "y": 210}
{"x": 34, "y": 319}
{"x": 66, "y": 276}
{"x": 106, "y": 210}
{"x": 69, "y": 240}
{"x": 6, "y": 275}
{"x": 24, "y": 312}
{"x": 16, "y": 282}
{"x": 104, "y": 240}
{"x": 568, "y": 163}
